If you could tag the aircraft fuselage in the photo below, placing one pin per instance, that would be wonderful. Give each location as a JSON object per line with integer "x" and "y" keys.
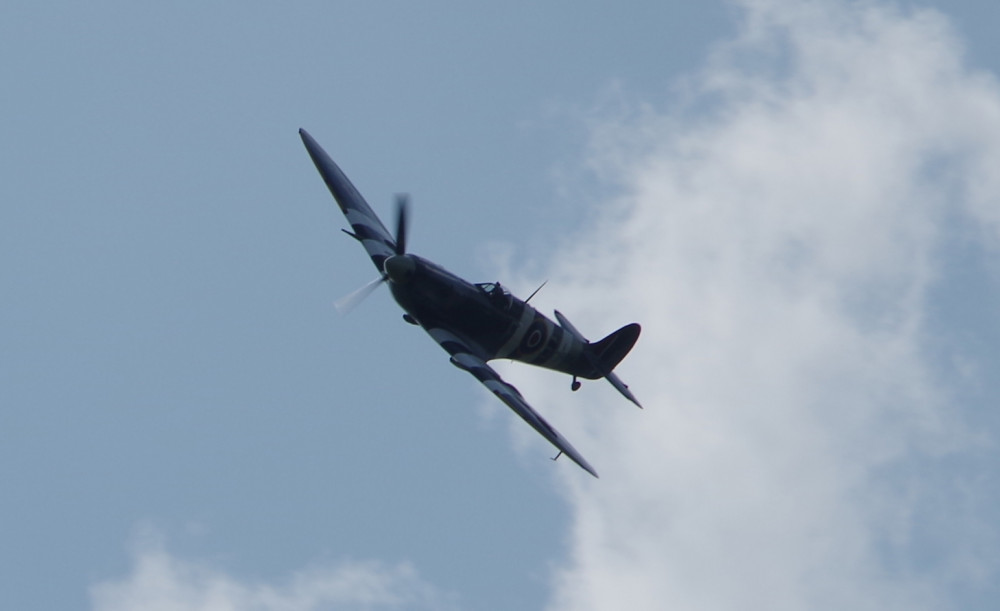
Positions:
{"x": 483, "y": 316}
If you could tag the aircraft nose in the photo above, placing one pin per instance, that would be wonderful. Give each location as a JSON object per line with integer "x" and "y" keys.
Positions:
{"x": 399, "y": 268}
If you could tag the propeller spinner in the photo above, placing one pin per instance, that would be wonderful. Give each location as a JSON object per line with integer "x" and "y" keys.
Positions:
{"x": 396, "y": 268}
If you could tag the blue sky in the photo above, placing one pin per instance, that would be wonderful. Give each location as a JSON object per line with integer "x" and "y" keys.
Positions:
{"x": 794, "y": 198}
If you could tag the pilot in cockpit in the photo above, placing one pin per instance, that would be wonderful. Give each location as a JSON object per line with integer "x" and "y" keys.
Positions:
{"x": 496, "y": 294}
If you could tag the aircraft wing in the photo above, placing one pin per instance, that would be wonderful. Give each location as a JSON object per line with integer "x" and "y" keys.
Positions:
{"x": 366, "y": 226}
{"x": 465, "y": 358}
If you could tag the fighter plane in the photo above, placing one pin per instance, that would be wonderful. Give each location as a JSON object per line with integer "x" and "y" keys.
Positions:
{"x": 474, "y": 323}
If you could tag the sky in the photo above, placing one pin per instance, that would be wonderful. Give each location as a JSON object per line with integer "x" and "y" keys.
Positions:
{"x": 795, "y": 198}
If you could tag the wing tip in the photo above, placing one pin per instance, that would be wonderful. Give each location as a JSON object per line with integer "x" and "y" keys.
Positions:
{"x": 581, "y": 462}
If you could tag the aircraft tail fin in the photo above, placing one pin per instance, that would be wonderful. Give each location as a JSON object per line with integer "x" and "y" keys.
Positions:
{"x": 612, "y": 349}
{"x": 600, "y": 358}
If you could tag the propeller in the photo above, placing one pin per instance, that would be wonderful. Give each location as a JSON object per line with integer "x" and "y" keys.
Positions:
{"x": 344, "y": 305}
{"x": 402, "y": 205}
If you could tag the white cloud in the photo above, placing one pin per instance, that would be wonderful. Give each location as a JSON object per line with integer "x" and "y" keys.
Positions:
{"x": 780, "y": 238}
{"x": 162, "y": 582}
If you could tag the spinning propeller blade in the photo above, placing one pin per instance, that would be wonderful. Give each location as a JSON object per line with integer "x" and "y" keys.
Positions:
{"x": 345, "y": 304}
{"x": 402, "y": 204}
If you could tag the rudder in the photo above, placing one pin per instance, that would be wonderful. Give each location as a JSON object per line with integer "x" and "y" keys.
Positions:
{"x": 610, "y": 351}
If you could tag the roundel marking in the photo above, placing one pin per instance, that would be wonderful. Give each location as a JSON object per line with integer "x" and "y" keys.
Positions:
{"x": 534, "y": 338}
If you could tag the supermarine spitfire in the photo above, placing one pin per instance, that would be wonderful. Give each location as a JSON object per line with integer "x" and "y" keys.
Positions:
{"x": 474, "y": 323}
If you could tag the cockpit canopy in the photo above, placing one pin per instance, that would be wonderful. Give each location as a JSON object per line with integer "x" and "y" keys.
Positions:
{"x": 493, "y": 289}
{"x": 499, "y": 296}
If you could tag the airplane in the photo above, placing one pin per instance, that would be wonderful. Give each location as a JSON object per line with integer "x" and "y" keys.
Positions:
{"x": 474, "y": 323}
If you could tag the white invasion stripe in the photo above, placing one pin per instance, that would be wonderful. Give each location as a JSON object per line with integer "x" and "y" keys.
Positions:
{"x": 471, "y": 348}
{"x": 568, "y": 345}
{"x": 467, "y": 361}
{"x": 376, "y": 247}
{"x": 498, "y": 386}
{"x": 509, "y": 393}
{"x": 527, "y": 316}
{"x": 354, "y": 215}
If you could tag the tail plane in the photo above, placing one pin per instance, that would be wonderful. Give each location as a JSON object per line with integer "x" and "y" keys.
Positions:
{"x": 608, "y": 352}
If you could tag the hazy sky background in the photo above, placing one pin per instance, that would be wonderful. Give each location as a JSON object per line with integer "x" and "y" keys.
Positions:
{"x": 798, "y": 200}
